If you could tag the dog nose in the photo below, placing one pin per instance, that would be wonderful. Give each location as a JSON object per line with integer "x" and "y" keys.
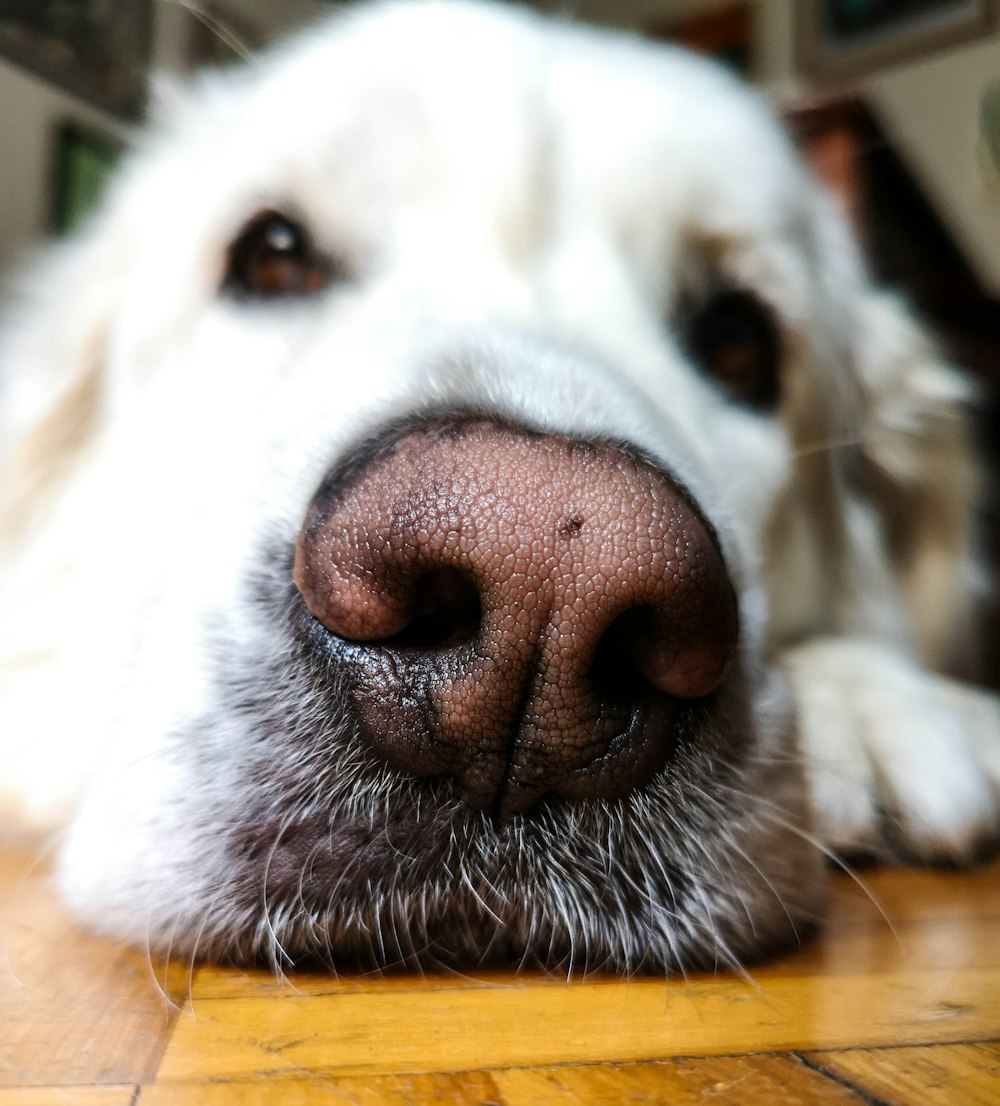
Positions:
{"x": 527, "y": 613}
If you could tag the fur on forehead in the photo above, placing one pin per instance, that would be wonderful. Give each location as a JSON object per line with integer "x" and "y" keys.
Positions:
{"x": 469, "y": 119}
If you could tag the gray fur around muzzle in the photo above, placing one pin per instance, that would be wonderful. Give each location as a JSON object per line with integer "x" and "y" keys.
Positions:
{"x": 506, "y": 719}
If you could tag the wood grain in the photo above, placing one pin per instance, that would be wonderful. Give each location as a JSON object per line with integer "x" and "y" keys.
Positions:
{"x": 459, "y": 1089}
{"x": 67, "y": 1096}
{"x": 750, "y": 1080}
{"x": 75, "y": 1009}
{"x": 763, "y": 1080}
{"x": 967, "y": 1074}
{"x": 453, "y": 1030}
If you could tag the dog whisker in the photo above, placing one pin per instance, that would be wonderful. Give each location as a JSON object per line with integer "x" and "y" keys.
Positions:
{"x": 223, "y": 30}
{"x": 779, "y": 816}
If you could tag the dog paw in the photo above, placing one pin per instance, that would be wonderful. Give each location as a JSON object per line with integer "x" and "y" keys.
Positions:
{"x": 901, "y": 762}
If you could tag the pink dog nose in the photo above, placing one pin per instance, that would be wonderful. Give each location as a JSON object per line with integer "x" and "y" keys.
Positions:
{"x": 525, "y": 612}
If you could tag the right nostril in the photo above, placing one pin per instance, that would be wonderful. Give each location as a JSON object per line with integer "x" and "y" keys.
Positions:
{"x": 446, "y": 611}
{"x": 614, "y": 674}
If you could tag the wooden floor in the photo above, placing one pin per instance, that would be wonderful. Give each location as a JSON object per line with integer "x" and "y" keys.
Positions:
{"x": 871, "y": 1013}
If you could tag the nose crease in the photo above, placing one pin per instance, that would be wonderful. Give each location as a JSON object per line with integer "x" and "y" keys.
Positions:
{"x": 604, "y": 606}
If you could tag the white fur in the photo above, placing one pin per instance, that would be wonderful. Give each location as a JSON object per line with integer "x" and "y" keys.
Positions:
{"x": 519, "y": 203}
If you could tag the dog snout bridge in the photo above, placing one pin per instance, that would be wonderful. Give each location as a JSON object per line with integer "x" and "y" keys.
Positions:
{"x": 528, "y": 613}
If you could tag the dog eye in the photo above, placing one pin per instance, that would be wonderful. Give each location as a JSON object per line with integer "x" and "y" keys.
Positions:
{"x": 735, "y": 340}
{"x": 273, "y": 256}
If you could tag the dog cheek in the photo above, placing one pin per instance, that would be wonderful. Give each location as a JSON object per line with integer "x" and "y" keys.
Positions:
{"x": 134, "y": 865}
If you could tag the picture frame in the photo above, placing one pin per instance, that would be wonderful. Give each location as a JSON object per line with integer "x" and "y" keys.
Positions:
{"x": 98, "y": 50}
{"x": 846, "y": 38}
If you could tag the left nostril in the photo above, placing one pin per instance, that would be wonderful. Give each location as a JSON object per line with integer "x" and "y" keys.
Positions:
{"x": 446, "y": 611}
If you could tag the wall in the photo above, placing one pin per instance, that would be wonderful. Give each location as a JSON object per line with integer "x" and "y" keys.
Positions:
{"x": 931, "y": 109}
{"x": 31, "y": 111}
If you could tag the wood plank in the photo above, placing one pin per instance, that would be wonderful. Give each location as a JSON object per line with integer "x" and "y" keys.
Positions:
{"x": 67, "y": 1096}
{"x": 74, "y": 1009}
{"x": 933, "y": 943}
{"x": 578, "y": 1023}
{"x": 946, "y": 1074}
{"x": 915, "y": 894}
{"x": 215, "y": 982}
{"x": 755, "y": 1080}
{"x": 750, "y": 1081}
{"x": 458, "y": 1089}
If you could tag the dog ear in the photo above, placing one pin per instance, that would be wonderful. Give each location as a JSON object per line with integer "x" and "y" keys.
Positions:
{"x": 52, "y": 359}
{"x": 53, "y": 373}
{"x": 885, "y": 470}
{"x": 917, "y": 469}
{"x": 903, "y": 404}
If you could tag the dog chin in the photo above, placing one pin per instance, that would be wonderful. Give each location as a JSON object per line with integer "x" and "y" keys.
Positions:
{"x": 312, "y": 853}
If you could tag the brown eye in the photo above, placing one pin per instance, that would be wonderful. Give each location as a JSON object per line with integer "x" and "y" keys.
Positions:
{"x": 735, "y": 340}
{"x": 273, "y": 256}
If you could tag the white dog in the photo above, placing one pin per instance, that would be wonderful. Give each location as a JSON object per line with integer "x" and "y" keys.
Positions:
{"x": 463, "y": 500}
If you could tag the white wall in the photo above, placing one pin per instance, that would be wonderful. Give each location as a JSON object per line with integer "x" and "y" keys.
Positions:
{"x": 30, "y": 112}
{"x": 931, "y": 109}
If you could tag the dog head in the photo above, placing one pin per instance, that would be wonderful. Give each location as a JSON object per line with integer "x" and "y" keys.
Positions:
{"x": 415, "y": 470}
